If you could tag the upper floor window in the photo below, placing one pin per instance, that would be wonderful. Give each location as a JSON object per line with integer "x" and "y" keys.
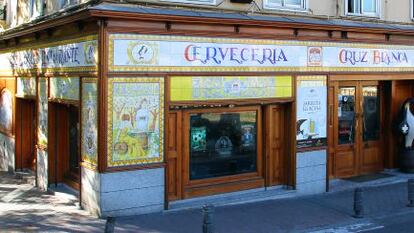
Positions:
{"x": 362, "y": 7}
{"x": 66, "y": 3}
{"x": 195, "y": 2}
{"x": 36, "y": 8}
{"x": 285, "y": 4}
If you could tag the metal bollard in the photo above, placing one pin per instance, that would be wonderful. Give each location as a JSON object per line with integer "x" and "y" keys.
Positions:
{"x": 110, "y": 225}
{"x": 410, "y": 186}
{"x": 358, "y": 203}
{"x": 208, "y": 211}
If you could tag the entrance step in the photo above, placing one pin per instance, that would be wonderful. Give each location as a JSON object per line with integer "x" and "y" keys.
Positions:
{"x": 26, "y": 176}
{"x": 234, "y": 198}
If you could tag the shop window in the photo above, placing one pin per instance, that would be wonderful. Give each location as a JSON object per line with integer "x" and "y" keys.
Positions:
{"x": 362, "y": 7}
{"x": 196, "y": 2}
{"x": 36, "y": 8}
{"x": 285, "y": 4}
{"x": 222, "y": 144}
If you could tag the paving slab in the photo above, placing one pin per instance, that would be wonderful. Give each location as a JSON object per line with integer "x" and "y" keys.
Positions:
{"x": 23, "y": 208}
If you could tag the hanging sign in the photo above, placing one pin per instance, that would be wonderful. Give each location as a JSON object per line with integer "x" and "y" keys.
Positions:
{"x": 311, "y": 113}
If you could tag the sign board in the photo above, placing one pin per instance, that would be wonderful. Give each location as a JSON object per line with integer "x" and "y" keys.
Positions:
{"x": 60, "y": 56}
{"x": 131, "y": 52}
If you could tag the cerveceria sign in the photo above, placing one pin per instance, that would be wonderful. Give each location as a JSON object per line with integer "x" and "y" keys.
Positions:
{"x": 239, "y": 55}
{"x": 174, "y": 53}
{"x": 65, "y": 55}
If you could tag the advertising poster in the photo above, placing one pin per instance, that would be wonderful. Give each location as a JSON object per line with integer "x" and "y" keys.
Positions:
{"x": 311, "y": 111}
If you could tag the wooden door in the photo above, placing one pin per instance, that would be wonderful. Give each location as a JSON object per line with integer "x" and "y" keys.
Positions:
{"x": 64, "y": 154}
{"x": 275, "y": 145}
{"x": 357, "y": 128}
{"x": 25, "y": 134}
{"x": 371, "y": 159}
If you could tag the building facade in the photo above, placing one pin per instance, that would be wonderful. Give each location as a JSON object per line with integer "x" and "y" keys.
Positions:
{"x": 142, "y": 105}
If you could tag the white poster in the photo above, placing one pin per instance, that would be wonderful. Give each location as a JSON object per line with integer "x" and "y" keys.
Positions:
{"x": 311, "y": 111}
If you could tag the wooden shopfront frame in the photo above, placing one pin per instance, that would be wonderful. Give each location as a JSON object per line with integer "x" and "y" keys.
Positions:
{"x": 178, "y": 183}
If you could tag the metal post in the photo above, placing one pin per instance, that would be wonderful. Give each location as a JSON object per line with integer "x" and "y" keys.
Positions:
{"x": 410, "y": 186}
{"x": 110, "y": 225}
{"x": 358, "y": 203}
{"x": 208, "y": 211}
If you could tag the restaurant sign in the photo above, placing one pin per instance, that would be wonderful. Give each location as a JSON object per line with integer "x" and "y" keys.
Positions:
{"x": 130, "y": 52}
{"x": 64, "y": 55}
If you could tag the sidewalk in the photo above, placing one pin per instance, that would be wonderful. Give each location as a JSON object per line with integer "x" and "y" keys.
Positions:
{"x": 25, "y": 209}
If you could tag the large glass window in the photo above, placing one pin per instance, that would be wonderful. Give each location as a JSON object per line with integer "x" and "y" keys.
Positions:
{"x": 222, "y": 144}
{"x": 363, "y": 7}
{"x": 292, "y": 4}
{"x": 346, "y": 115}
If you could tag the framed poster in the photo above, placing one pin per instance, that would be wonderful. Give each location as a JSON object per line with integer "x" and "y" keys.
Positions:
{"x": 135, "y": 121}
{"x": 90, "y": 120}
{"x": 311, "y": 111}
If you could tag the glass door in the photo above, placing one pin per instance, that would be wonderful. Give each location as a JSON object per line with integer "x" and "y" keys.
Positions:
{"x": 357, "y": 123}
{"x": 346, "y": 118}
{"x": 371, "y": 156}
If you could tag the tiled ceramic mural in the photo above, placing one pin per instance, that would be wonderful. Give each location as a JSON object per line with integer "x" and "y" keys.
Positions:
{"x": 135, "y": 124}
{"x": 189, "y": 88}
{"x": 26, "y": 87}
{"x": 89, "y": 120}
{"x": 64, "y": 88}
{"x": 6, "y": 110}
{"x": 42, "y": 112}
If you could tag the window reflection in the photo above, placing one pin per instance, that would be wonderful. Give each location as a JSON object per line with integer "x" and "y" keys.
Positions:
{"x": 371, "y": 113}
{"x": 222, "y": 144}
{"x": 346, "y": 115}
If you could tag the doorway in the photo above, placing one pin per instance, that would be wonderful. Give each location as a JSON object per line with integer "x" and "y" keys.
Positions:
{"x": 357, "y": 127}
{"x": 25, "y": 134}
{"x": 64, "y": 153}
